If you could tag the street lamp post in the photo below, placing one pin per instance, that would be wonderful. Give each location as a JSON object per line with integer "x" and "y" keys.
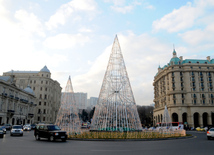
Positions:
{"x": 20, "y": 112}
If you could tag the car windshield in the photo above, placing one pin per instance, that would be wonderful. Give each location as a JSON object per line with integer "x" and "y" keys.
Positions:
{"x": 17, "y": 127}
{"x": 211, "y": 129}
{"x": 53, "y": 127}
{"x": 1, "y": 128}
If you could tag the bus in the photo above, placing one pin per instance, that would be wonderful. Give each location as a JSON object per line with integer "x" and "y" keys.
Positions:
{"x": 175, "y": 125}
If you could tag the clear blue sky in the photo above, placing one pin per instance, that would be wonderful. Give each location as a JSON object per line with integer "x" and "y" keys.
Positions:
{"x": 75, "y": 38}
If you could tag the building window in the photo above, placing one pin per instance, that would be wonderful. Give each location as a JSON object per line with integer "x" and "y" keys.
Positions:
{"x": 34, "y": 81}
{"x": 203, "y": 96}
{"x": 40, "y": 103}
{"x": 173, "y": 79}
{"x": 192, "y": 73}
{"x": 203, "y": 101}
{"x": 42, "y": 74}
{"x": 38, "y": 119}
{"x": 33, "y": 88}
{"x": 43, "y": 118}
{"x": 46, "y": 89}
{"x": 41, "y": 88}
{"x": 41, "y": 82}
{"x": 47, "y": 75}
{"x": 40, "y": 96}
{"x": 46, "y": 82}
{"x": 45, "y": 96}
{"x": 194, "y": 102}
{"x": 183, "y": 102}
{"x": 193, "y": 84}
{"x": 44, "y": 103}
{"x": 30, "y": 81}
{"x": 39, "y": 111}
{"x": 44, "y": 112}
{"x": 174, "y": 102}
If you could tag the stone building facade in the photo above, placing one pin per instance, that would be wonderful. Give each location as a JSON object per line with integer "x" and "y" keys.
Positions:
{"x": 81, "y": 100}
{"x": 16, "y": 105}
{"x": 47, "y": 92}
{"x": 186, "y": 88}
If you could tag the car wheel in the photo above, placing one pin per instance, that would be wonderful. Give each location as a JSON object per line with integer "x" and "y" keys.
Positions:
{"x": 37, "y": 137}
{"x": 11, "y": 134}
{"x": 51, "y": 138}
{"x": 1, "y": 136}
{"x": 21, "y": 134}
{"x": 64, "y": 140}
{"x": 208, "y": 137}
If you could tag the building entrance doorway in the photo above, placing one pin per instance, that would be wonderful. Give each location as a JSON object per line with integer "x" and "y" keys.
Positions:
{"x": 205, "y": 116}
{"x": 196, "y": 119}
{"x": 174, "y": 117}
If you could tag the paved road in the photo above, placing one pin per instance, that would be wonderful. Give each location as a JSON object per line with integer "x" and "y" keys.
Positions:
{"x": 27, "y": 145}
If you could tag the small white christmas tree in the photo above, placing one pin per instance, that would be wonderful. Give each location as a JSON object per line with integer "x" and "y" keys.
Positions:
{"x": 68, "y": 118}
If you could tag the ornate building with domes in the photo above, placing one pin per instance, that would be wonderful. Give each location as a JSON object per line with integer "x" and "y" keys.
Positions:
{"x": 16, "y": 105}
{"x": 186, "y": 88}
{"x": 47, "y": 92}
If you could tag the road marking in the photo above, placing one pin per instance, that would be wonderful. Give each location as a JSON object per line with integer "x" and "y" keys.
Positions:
{"x": 111, "y": 150}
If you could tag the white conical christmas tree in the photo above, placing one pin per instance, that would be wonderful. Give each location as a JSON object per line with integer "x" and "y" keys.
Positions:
{"x": 68, "y": 118}
{"x": 116, "y": 109}
{"x": 166, "y": 121}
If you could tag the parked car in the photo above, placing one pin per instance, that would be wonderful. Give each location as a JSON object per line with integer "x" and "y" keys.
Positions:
{"x": 33, "y": 126}
{"x": 8, "y": 126}
{"x": 200, "y": 129}
{"x": 210, "y": 133}
{"x": 27, "y": 127}
{"x": 16, "y": 130}
{"x": 151, "y": 128}
{"x": 4, "y": 129}
{"x": 1, "y": 132}
{"x": 50, "y": 131}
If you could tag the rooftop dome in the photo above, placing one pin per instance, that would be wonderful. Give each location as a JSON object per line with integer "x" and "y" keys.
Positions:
{"x": 29, "y": 90}
{"x": 175, "y": 60}
{"x": 45, "y": 69}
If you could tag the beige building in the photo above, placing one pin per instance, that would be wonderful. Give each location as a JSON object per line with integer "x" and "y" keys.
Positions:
{"x": 81, "y": 100}
{"x": 186, "y": 88}
{"x": 47, "y": 91}
{"x": 16, "y": 105}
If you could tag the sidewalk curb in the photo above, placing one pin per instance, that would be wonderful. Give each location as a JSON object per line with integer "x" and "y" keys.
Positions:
{"x": 155, "y": 139}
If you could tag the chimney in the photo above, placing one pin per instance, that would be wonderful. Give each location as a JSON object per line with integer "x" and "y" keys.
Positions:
{"x": 208, "y": 58}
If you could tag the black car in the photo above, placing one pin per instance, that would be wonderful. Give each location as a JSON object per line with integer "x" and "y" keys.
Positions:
{"x": 50, "y": 131}
{"x": 8, "y": 126}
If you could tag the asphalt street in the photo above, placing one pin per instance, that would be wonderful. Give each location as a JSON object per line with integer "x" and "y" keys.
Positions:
{"x": 28, "y": 145}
